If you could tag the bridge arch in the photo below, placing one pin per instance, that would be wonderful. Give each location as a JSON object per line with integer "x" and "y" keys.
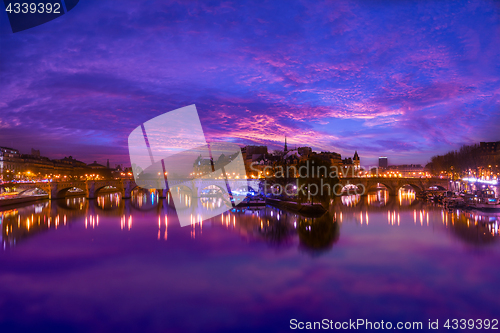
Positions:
{"x": 374, "y": 185}
{"x": 247, "y": 188}
{"x": 114, "y": 189}
{"x": 413, "y": 186}
{"x": 133, "y": 188}
{"x": 176, "y": 188}
{"x": 206, "y": 186}
{"x": 353, "y": 189}
{"x": 436, "y": 186}
{"x": 186, "y": 200}
{"x": 63, "y": 193}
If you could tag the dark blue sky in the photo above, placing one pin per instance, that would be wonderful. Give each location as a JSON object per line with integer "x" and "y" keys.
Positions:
{"x": 403, "y": 79}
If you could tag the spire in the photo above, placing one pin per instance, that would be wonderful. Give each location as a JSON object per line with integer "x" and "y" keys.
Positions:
{"x": 107, "y": 164}
{"x": 286, "y": 149}
{"x": 356, "y": 160}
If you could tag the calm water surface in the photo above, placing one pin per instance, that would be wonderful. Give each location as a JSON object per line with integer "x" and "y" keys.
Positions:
{"x": 113, "y": 265}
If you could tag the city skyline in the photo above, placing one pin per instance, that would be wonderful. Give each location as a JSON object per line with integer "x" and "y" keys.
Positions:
{"x": 397, "y": 79}
{"x": 36, "y": 154}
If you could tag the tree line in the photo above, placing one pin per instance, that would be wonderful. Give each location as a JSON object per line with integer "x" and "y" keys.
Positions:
{"x": 469, "y": 158}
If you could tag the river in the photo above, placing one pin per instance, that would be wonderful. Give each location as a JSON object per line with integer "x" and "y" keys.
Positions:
{"x": 109, "y": 264}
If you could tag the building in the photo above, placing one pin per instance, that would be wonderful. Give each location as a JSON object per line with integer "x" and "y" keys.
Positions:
{"x": 383, "y": 162}
{"x": 96, "y": 166}
{"x": 36, "y": 165}
{"x": 407, "y": 170}
{"x": 255, "y": 158}
{"x": 490, "y": 159}
{"x": 96, "y": 170}
{"x": 335, "y": 159}
{"x": 251, "y": 152}
{"x": 490, "y": 148}
{"x": 11, "y": 163}
{"x": 202, "y": 166}
{"x": 348, "y": 167}
{"x": 70, "y": 166}
{"x": 351, "y": 166}
{"x": 63, "y": 167}
{"x": 73, "y": 162}
{"x": 356, "y": 160}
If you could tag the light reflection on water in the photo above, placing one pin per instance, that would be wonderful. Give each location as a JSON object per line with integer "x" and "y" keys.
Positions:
{"x": 20, "y": 223}
{"x": 406, "y": 197}
{"x": 378, "y": 198}
{"x": 363, "y": 251}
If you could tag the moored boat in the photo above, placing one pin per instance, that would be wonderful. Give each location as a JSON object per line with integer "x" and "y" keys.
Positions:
{"x": 252, "y": 202}
{"x": 484, "y": 200}
{"x": 453, "y": 202}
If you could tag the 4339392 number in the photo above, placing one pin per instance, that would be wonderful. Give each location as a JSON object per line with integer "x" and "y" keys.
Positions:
{"x": 32, "y": 7}
{"x": 463, "y": 324}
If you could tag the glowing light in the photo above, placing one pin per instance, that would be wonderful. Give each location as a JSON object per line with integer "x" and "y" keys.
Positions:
{"x": 474, "y": 180}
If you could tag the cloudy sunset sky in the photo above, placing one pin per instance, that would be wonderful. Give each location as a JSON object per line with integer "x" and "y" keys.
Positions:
{"x": 403, "y": 79}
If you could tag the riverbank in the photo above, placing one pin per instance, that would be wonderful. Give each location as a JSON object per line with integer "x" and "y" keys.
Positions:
{"x": 33, "y": 198}
{"x": 22, "y": 200}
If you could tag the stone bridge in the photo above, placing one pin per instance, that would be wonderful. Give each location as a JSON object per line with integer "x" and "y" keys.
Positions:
{"x": 91, "y": 188}
{"x": 195, "y": 186}
{"x": 57, "y": 190}
{"x": 392, "y": 184}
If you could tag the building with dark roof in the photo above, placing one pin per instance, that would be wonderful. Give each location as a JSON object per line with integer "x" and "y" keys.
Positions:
{"x": 490, "y": 148}
{"x": 10, "y": 163}
{"x": 96, "y": 165}
{"x": 356, "y": 160}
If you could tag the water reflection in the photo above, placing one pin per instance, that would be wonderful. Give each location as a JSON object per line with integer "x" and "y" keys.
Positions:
{"x": 406, "y": 196}
{"x": 76, "y": 203}
{"x": 109, "y": 201}
{"x": 275, "y": 226}
{"x": 214, "y": 203}
{"x": 378, "y": 198}
{"x": 21, "y": 223}
{"x": 473, "y": 227}
{"x": 271, "y": 225}
{"x": 350, "y": 200}
{"x": 143, "y": 199}
{"x": 318, "y": 235}
{"x": 137, "y": 266}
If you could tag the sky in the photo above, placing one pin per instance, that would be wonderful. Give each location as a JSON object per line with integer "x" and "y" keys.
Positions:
{"x": 403, "y": 79}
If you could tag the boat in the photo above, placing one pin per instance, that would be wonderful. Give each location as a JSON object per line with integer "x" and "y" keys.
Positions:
{"x": 453, "y": 202}
{"x": 304, "y": 209}
{"x": 252, "y": 202}
{"x": 483, "y": 200}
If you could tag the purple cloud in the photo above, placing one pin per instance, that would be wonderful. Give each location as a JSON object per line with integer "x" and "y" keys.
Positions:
{"x": 335, "y": 76}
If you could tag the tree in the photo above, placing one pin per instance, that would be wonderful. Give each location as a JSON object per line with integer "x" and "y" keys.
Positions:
{"x": 278, "y": 152}
{"x": 469, "y": 158}
{"x": 316, "y": 180}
